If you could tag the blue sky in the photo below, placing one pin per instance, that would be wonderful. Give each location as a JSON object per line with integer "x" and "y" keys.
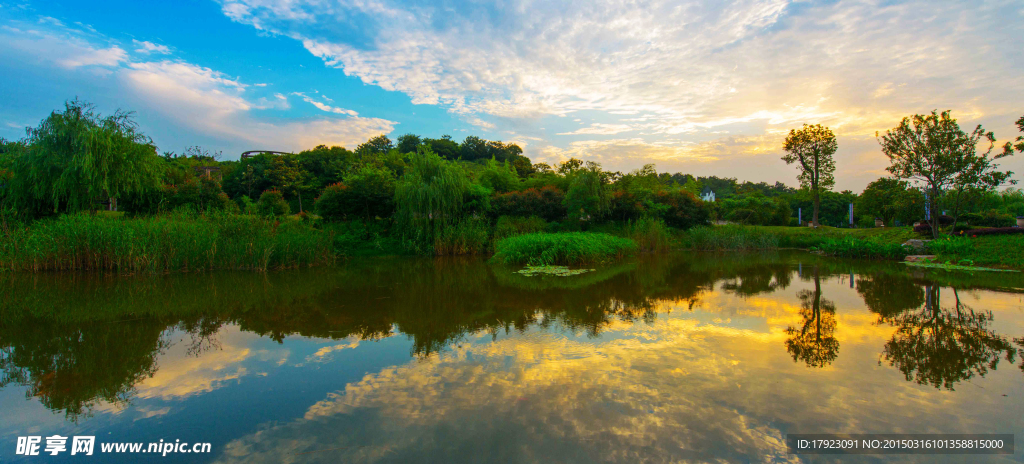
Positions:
{"x": 698, "y": 87}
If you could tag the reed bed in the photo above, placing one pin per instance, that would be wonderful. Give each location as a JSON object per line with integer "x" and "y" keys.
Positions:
{"x": 650, "y": 234}
{"x": 728, "y": 238}
{"x": 165, "y": 243}
{"x": 562, "y": 248}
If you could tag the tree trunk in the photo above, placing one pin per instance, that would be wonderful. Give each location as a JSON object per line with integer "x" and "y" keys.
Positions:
{"x": 300, "y": 200}
{"x": 113, "y": 204}
{"x": 817, "y": 205}
{"x": 933, "y": 203}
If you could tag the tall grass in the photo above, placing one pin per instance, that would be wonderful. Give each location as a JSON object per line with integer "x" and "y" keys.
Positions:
{"x": 650, "y": 234}
{"x": 179, "y": 242}
{"x": 463, "y": 238}
{"x": 850, "y": 247}
{"x": 728, "y": 238}
{"x": 508, "y": 226}
{"x": 562, "y": 248}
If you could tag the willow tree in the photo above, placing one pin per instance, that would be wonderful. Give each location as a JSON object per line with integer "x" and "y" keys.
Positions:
{"x": 75, "y": 157}
{"x": 430, "y": 196}
{"x": 934, "y": 150}
{"x": 812, "y": 147}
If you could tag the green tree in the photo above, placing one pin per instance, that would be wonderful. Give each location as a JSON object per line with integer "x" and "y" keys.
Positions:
{"x": 430, "y": 196}
{"x": 587, "y": 198}
{"x": 934, "y": 150}
{"x": 812, "y": 148}
{"x": 75, "y": 157}
{"x": 500, "y": 177}
{"x": 378, "y": 145}
{"x": 407, "y": 143}
{"x": 1019, "y": 145}
{"x": 890, "y": 199}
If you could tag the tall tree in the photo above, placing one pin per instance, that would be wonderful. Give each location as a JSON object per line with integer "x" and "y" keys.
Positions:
{"x": 812, "y": 148}
{"x": 76, "y": 157}
{"x": 934, "y": 150}
{"x": 1019, "y": 145}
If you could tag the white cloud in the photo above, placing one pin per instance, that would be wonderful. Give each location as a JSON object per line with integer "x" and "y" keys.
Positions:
{"x": 600, "y": 129}
{"x": 150, "y": 47}
{"x": 323, "y": 106}
{"x": 688, "y": 67}
{"x": 61, "y": 47}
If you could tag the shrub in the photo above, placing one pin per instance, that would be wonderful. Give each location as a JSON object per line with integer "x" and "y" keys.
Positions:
{"x": 202, "y": 194}
{"x": 684, "y": 210}
{"x": 561, "y": 248}
{"x": 850, "y": 247}
{"x": 330, "y": 205}
{"x": 991, "y": 218}
{"x": 546, "y": 202}
{"x": 650, "y": 234}
{"x": 994, "y": 231}
{"x": 923, "y": 228}
{"x": 508, "y": 226}
{"x": 272, "y": 203}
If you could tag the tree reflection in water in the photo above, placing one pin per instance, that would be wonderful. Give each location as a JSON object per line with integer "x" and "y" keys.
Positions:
{"x": 943, "y": 346}
{"x": 815, "y": 341}
{"x": 76, "y": 340}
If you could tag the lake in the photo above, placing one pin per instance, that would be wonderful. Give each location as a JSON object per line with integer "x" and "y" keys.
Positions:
{"x": 685, "y": 357}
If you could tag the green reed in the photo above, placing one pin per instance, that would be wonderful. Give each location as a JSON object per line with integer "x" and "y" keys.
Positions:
{"x": 728, "y": 238}
{"x": 562, "y": 248}
{"x": 178, "y": 242}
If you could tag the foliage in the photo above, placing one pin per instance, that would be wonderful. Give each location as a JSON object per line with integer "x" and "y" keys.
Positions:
{"x": 650, "y": 234}
{"x": 546, "y": 202}
{"x": 682, "y": 209}
{"x": 561, "y": 248}
{"x": 812, "y": 148}
{"x": 587, "y": 198}
{"x": 757, "y": 209}
{"x": 202, "y": 194}
{"x": 994, "y": 231}
{"x": 271, "y": 204}
{"x": 850, "y": 247}
{"x": 430, "y": 197}
{"x": 333, "y": 203}
{"x": 367, "y": 193}
{"x": 75, "y": 158}
{"x": 557, "y": 271}
{"x": 990, "y": 218}
{"x": 728, "y": 238}
{"x": 508, "y": 226}
{"x": 500, "y": 177}
{"x": 177, "y": 242}
{"x": 934, "y": 150}
{"x": 465, "y": 237}
{"x": 891, "y": 199}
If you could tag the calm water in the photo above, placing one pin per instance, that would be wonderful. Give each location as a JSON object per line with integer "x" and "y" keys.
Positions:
{"x": 678, "y": 358}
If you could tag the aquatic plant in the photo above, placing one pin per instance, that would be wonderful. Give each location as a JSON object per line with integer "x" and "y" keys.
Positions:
{"x": 650, "y": 234}
{"x": 562, "y": 248}
{"x": 849, "y": 247}
{"x": 558, "y": 271}
{"x": 183, "y": 241}
{"x": 729, "y": 238}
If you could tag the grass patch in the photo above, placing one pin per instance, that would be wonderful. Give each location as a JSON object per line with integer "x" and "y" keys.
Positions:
{"x": 988, "y": 250}
{"x": 728, "y": 238}
{"x": 562, "y": 248}
{"x": 851, "y": 247}
{"x": 177, "y": 242}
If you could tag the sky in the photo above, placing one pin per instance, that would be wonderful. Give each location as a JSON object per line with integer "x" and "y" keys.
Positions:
{"x": 700, "y": 87}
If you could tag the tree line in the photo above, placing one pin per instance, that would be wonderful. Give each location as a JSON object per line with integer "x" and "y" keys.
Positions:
{"x": 77, "y": 160}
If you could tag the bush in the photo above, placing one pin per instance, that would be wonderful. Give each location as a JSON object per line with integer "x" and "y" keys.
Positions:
{"x": 729, "y": 238}
{"x": 203, "y": 194}
{"x": 684, "y": 210}
{"x": 994, "y": 231}
{"x": 546, "y": 202}
{"x": 850, "y": 247}
{"x": 508, "y": 226}
{"x": 923, "y": 228}
{"x": 272, "y": 203}
{"x": 331, "y": 204}
{"x": 991, "y": 218}
{"x": 561, "y": 248}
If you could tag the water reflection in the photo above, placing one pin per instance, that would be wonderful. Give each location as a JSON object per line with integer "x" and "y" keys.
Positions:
{"x": 638, "y": 344}
{"x": 943, "y": 346}
{"x": 815, "y": 341}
